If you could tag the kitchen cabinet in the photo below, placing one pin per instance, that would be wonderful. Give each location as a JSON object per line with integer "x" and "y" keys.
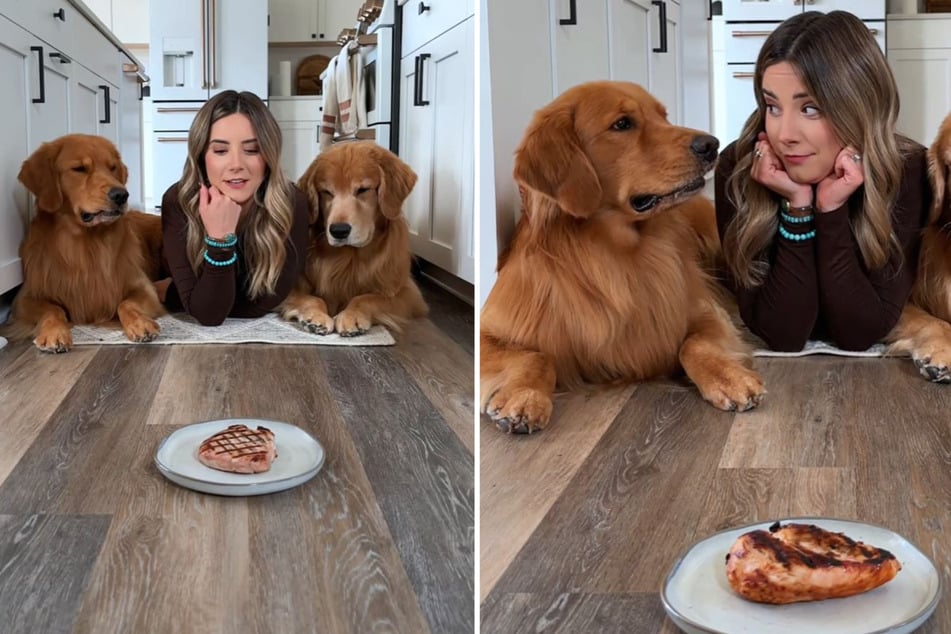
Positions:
{"x": 61, "y": 76}
{"x": 437, "y": 141}
{"x": 299, "y": 120}
{"x": 310, "y": 20}
{"x": 919, "y": 52}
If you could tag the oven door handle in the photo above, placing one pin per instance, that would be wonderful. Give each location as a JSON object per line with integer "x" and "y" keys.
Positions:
{"x": 418, "y": 80}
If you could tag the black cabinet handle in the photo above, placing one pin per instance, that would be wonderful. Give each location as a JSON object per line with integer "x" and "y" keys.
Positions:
{"x": 62, "y": 58}
{"x": 662, "y": 16}
{"x": 418, "y": 80}
{"x": 423, "y": 8}
{"x": 61, "y": 14}
{"x": 106, "y": 102}
{"x": 572, "y": 18}
{"x": 42, "y": 72}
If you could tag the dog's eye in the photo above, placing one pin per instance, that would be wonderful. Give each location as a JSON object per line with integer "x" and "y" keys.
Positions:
{"x": 624, "y": 123}
{"x": 362, "y": 190}
{"x": 80, "y": 168}
{"x": 325, "y": 192}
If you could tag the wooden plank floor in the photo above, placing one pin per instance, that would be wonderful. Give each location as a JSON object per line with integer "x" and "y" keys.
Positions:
{"x": 581, "y": 523}
{"x": 93, "y": 539}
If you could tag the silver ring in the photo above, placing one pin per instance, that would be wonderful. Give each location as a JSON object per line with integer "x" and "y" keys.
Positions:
{"x": 758, "y": 154}
{"x": 857, "y": 157}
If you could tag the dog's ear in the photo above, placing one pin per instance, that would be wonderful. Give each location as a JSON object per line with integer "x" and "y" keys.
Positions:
{"x": 550, "y": 161}
{"x": 307, "y": 183}
{"x": 38, "y": 174}
{"x": 397, "y": 180}
{"x": 939, "y": 166}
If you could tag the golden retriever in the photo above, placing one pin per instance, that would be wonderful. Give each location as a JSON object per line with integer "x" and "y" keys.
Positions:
{"x": 358, "y": 266}
{"x": 918, "y": 332}
{"x": 602, "y": 281}
{"x": 86, "y": 259}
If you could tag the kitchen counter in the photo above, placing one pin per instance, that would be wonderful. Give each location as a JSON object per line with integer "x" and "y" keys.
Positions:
{"x": 102, "y": 28}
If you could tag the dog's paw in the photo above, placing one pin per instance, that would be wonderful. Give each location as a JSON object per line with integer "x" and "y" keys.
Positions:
{"x": 935, "y": 369}
{"x": 141, "y": 330}
{"x": 54, "y": 340}
{"x": 519, "y": 410}
{"x": 352, "y": 323}
{"x": 732, "y": 387}
{"x": 314, "y": 321}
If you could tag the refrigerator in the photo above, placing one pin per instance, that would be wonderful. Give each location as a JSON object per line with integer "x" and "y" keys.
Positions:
{"x": 199, "y": 48}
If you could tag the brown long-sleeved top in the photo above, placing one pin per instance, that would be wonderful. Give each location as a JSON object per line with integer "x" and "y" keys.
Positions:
{"x": 217, "y": 292}
{"x": 821, "y": 288}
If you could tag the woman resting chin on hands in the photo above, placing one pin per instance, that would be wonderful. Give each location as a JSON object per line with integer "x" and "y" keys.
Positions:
{"x": 820, "y": 202}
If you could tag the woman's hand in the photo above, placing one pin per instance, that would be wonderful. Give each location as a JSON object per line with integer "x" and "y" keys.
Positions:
{"x": 769, "y": 172}
{"x": 218, "y": 213}
{"x": 847, "y": 175}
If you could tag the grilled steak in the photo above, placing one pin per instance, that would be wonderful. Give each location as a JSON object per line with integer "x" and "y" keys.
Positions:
{"x": 239, "y": 449}
{"x": 802, "y": 562}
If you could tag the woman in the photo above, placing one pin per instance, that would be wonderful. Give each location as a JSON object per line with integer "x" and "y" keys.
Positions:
{"x": 234, "y": 228}
{"x": 820, "y": 202}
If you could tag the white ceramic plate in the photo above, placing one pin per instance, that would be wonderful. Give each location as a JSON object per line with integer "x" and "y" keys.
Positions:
{"x": 299, "y": 458}
{"x": 699, "y": 599}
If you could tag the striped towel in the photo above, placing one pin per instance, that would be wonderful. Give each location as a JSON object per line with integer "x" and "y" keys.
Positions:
{"x": 344, "y": 96}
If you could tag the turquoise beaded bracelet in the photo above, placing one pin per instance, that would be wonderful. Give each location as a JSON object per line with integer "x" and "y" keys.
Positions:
{"x": 229, "y": 241}
{"x": 214, "y": 262}
{"x": 796, "y": 237}
{"x": 796, "y": 220}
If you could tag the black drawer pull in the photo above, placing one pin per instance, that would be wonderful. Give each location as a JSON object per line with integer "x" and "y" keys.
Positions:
{"x": 61, "y": 14}
{"x": 62, "y": 58}
{"x": 418, "y": 80}
{"x": 423, "y": 8}
{"x": 662, "y": 18}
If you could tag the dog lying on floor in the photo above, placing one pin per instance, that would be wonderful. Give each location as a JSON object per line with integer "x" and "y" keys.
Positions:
{"x": 358, "y": 267}
{"x": 602, "y": 281}
{"x": 86, "y": 259}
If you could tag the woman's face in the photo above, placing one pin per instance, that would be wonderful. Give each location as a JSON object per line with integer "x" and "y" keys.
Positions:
{"x": 796, "y": 129}
{"x": 233, "y": 159}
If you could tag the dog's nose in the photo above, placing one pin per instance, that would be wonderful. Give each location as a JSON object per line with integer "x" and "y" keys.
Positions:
{"x": 119, "y": 195}
{"x": 340, "y": 230}
{"x": 705, "y": 146}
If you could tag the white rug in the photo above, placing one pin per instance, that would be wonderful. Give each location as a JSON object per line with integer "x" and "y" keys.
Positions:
{"x": 822, "y": 347}
{"x": 183, "y": 329}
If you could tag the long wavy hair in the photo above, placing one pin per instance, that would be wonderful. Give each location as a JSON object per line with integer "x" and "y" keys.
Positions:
{"x": 263, "y": 230}
{"x": 842, "y": 67}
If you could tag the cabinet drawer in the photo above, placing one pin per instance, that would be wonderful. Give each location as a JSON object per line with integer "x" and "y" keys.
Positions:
{"x": 743, "y": 41}
{"x": 174, "y": 116}
{"x": 425, "y": 19}
{"x": 919, "y": 32}
{"x": 296, "y": 108}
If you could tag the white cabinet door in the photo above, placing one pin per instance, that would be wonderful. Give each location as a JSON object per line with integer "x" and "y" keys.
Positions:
{"x": 301, "y": 145}
{"x": 335, "y": 15}
{"x": 237, "y": 48}
{"x": 924, "y": 83}
{"x": 292, "y": 20}
{"x": 19, "y": 67}
{"x": 579, "y": 43}
{"x": 630, "y": 53}
{"x": 49, "y": 115}
{"x": 666, "y": 74}
{"x": 438, "y": 144}
{"x": 92, "y": 105}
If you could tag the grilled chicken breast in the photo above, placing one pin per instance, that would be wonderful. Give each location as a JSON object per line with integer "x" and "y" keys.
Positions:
{"x": 239, "y": 449}
{"x": 802, "y": 562}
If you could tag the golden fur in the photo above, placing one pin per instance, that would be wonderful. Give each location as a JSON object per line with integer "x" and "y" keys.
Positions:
{"x": 918, "y": 333}
{"x": 593, "y": 290}
{"x": 86, "y": 259}
{"x": 358, "y": 265}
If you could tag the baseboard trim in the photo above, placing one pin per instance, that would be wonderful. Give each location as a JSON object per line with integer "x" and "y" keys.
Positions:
{"x": 447, "y": 281}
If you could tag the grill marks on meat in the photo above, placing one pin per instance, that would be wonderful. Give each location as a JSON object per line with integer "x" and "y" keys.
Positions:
{"x": 802, "y": 562}
{"x": 239, "y": 449}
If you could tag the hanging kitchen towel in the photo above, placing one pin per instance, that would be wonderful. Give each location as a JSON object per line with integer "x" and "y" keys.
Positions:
{"x": 358, "y": 94}
{"x": 346, "y": 122}
{"x": 328, "y": 124}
